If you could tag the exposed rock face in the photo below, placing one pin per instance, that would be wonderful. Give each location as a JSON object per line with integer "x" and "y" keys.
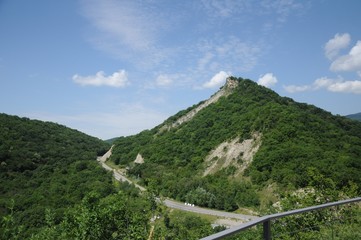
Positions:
{"x": 107, "y": 155}
{"x": 193, "y": 112}
{"x": 233, "y": 153}
{"x": 139, "y": 159}
{"x": 224, "y": 91}
{"x": 231, "y": 83}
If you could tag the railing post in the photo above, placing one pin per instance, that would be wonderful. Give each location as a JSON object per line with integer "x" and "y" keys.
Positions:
{"x": 266, "y": 220}
{"x": 267, "y": 230}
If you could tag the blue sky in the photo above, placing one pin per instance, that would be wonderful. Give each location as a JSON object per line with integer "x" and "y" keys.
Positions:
{"x": 114, "y": 68}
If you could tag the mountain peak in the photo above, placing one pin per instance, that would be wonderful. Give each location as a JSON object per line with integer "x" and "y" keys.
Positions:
{"x": 244, "y": 133}
{"x": 231, "y": 82}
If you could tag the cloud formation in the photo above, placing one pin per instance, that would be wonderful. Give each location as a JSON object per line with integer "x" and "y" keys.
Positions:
{"x": 267, "y": 80}
{"x": 228, "y": 52}
{"x": 117, "y": 79}
{"x": 217, "y": 80}
{"x": 350, "y": 61}
{"x": 138, "y": 32}
{"x": 334, "y": 45}
{"x": 346, "y": 86}
{"x": 127, "y": 22}
{"x": 163, "y": 80}
{"x": 295, "y": 88}
{"x": 332, "y": 85}
{"x": 155, "y": 36}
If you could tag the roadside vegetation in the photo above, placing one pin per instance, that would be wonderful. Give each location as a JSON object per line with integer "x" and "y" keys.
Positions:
{"x": 51, "y": 187}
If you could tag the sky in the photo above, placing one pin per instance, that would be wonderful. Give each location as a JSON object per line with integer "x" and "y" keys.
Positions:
{"x": 113, "y": 68}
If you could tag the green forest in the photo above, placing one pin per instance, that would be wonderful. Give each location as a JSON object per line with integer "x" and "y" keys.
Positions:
{"x": 296, "y": 137}
{"x": 46, "y": 166}
{"x": 52, "y": 187}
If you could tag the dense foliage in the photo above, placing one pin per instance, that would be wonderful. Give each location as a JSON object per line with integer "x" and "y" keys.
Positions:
{"x": 51, "y": 187}
{"x": 338, "y": 222}
{"x": 126, "y": 214}
{"x": 295, "y": 137}
{"x": 177, "y": 225}
{"x": 43, "y": 166}
{"x": 117, "y": 216}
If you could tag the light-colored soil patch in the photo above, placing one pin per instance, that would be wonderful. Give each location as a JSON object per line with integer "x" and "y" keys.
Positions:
{"x": 139, "y": 159}
{"x": 193, "y": 112}
{"x": 233, "y": 153}
{"x": 105, "y": 157}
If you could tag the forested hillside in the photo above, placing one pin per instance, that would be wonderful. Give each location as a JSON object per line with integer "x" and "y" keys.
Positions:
{"x": 247, "y": 148}
{"x": 51, "y": 187}
{"x": 43, "y": 166}
{"x": 296, "y": 142}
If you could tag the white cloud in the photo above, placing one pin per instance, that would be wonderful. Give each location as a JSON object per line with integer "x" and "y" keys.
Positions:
{"x": 349, "y": 62}
{"x": 334, "y": 45}
{"x": 227, "y": 53}
{"x": 332, "y": 85}
{"x": 267, "y": 80}
{"x": 149, "y": 36}
{"x": 126, "y": 22}
{"x": 323, "y": 82}
{"x": 128, "y": 30}
{"x": 205, "y": 60}
{"x": 239, "y": 9}
{"x": 347, "y": 87}
{"x": 295, "y": 88}
{"x": 223, "y": 8}
{"x": 117, "y": 79}
{"x": 282, "y": 8}
{"x": 217, "y": 80}
{"x": 164, "y": 80}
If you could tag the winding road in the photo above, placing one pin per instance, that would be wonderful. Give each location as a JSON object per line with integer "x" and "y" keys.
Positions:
{"x": 171, "y": 203}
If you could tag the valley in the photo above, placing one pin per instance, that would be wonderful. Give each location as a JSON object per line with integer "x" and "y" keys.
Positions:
{"x": 229, "y": 219}
{"x": 246, "y": 151}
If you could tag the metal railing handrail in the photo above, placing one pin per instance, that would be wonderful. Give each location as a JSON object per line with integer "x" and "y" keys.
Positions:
{"x": 266, "y": 220}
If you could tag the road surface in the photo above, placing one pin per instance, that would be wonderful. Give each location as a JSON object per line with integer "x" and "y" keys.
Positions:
{"x": 181, "y": 206}
{"x": 174, "y": 204}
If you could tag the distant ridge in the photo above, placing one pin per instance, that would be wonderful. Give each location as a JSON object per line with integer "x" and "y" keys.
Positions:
{"x": 356, "y": 116}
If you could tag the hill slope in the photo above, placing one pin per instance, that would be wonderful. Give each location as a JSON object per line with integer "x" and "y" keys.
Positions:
{"x": 356, "y": 116}
{"x": 286, "y": 141}
{"x": 44, "y": 165}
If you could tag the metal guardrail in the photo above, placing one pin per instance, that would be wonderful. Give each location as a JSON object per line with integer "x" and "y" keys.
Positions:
{"x": 266, "y": 220}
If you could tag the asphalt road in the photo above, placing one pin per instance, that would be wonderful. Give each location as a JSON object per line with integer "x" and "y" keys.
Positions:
{"x": 181, "y": 206}
{"x": 178, "y": 205}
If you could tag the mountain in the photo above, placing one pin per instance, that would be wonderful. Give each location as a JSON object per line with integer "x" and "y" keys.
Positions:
{"x": 243, "y": 147}
{"x": 356, "y": 116}
{"x": 246, "y": 140}
{"x": 111, "y": 140}
{"x": 45, "y": 166}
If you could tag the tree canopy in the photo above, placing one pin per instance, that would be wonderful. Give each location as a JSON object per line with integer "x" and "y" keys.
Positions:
{"x": 295, "y": 137}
